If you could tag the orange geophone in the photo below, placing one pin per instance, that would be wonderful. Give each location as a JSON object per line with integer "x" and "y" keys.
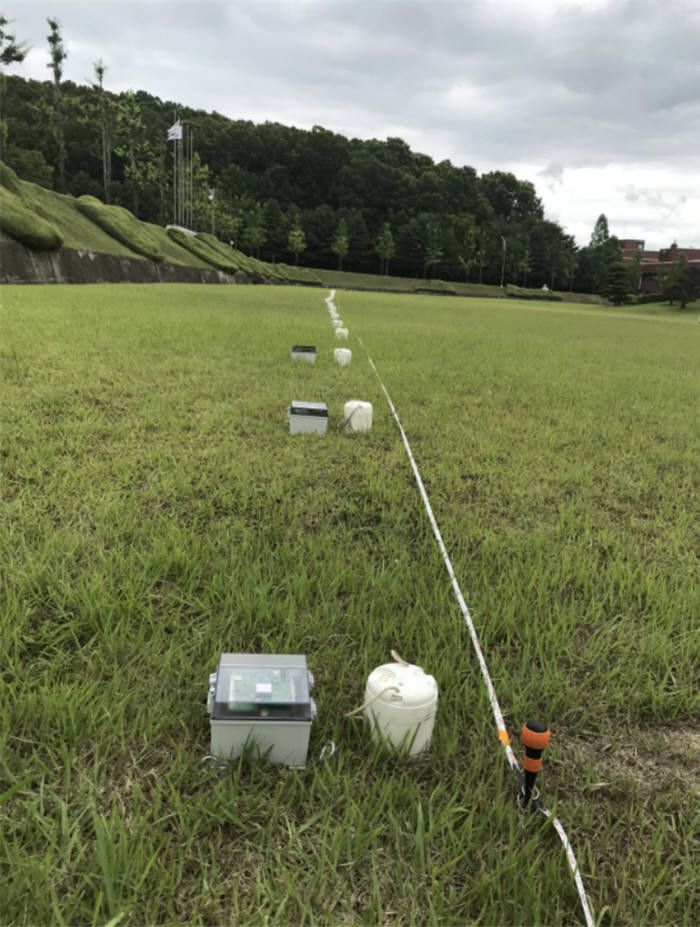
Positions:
{"x": 535, "y": 737}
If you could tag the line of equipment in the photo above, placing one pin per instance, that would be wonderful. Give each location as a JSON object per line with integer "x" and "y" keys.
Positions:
{"x": 535, "y": 735}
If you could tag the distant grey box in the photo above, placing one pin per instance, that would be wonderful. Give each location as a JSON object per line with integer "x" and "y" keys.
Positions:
{"x": 305, "y": 352}
{"x": 307, "y": 418}
{"x": 261, "y": 700}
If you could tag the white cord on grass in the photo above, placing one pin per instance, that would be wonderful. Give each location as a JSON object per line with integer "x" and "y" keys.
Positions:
{"x": 495, "y": 707}
{"x": 356, "y": 711}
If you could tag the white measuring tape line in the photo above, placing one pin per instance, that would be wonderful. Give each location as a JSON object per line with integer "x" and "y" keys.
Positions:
{"x": 495, "y": 707}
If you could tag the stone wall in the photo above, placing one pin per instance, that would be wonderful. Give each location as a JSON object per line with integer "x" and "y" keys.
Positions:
{"x": 68, "y": 265}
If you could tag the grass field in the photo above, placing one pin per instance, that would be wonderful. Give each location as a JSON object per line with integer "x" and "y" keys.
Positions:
{"x": 354, "y": 281}
{"x": 155, "y": 512}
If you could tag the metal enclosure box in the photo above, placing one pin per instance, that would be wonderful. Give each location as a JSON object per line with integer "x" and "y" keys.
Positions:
{"x": 305, "y": 352}
{"x": 261, "y": 700}
{"x": 307, "y": 418}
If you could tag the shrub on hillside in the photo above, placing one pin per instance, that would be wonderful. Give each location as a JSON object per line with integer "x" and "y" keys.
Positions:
{"x": 25, "y": 226}
{"x": 298, "y": 274}
{"x": 258, "y": 271}
{"x": 122, "y": 225}
{"x": 195, "y": 245}
{"x": 9, "y": 179}
{"x": 264, "y": 270}
{"x": 521, "y": 292}
{"x": 435, "y": 286}
{"x": 213, "y": 242}
{"x": 229, "y": 255}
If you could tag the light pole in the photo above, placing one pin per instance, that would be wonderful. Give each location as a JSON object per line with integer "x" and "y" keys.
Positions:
{"x": 503, "y": 262}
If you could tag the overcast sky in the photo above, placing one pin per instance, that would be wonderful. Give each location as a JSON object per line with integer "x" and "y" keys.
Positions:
{"x": 595, "y": 101}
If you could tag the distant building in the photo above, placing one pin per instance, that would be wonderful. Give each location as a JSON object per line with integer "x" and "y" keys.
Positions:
{"x": 654, "y": 261}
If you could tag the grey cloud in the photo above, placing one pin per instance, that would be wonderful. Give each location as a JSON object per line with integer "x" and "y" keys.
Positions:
{"x": 555, "y": 174}
{"x": 483, "y": 83}
{"x": 658, "y": 202}
{"x": 585, "y": 88}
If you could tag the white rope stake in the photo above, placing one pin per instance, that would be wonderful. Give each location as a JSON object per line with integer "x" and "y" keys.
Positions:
{"x": 495, "y": 707}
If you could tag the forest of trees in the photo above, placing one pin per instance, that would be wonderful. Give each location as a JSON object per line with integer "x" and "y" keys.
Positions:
{"x": 282, "y": 194}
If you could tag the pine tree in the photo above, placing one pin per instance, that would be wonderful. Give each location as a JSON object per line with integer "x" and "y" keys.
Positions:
{"x": 433, "y": 247}
{"x": 681, "y": 282}
{"x": 58, "y": 56}
{"x": 10, "y": 53}
{"x": 341, "y": 242}
{"x": 385, "y": 248}
{"x": 254, "y": 233}
{"x": 616, "y": 286}
{"x": 466, "y": 234}
{"x": 143, "y": 162}
{"x": 106, "y": 129}
{"x": 604, "y": 252}
{"x": 297, "y": 241}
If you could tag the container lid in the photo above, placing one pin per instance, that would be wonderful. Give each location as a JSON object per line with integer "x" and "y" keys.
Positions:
{"x": 304, "y": 348}
{"x": 308, "y": 408}
{"x": 416, "y": 688}
{"x": 358, "y": 404}
{"x": 268, "y": 689}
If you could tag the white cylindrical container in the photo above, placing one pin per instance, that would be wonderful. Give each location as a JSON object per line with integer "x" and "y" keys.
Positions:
{"x": 342, "y": 333}
{"x": 404, "y": 715}
{"x": 342, "y": 356}
{"x": 357, "y": 415}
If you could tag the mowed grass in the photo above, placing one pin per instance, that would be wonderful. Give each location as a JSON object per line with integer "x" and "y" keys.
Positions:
{"x": 156, "y": 512}
{"x": 355, "y": 281}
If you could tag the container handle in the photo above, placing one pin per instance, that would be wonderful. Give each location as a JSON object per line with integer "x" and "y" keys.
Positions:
{"x": 372, "y": 700}
{"x": 346, "y": 421}
{"x": 399, "y": 659}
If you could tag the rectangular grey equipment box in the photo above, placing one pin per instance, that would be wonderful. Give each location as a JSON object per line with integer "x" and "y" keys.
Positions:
{"x": 261, "y": 699}
{"x": 305, "y": 352}
{"x": 307, "y": 418}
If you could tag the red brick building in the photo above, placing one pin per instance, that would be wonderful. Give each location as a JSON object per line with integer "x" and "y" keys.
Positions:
{"x": 654, "y": 261}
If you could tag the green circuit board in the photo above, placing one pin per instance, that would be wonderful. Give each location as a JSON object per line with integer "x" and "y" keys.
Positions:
{"x": 273, "y": 687}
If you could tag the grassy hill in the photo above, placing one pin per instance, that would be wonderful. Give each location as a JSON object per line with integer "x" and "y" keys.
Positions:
{"x": 41, "y": 219}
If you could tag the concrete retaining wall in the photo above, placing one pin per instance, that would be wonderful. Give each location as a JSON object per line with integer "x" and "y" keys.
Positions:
{"x": 68, "y": 265}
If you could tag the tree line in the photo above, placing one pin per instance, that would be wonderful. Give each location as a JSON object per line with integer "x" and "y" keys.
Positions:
{"x": 276, "y": 191}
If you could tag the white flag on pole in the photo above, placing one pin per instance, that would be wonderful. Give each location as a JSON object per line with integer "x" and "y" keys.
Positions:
{"x": 175, "y": 132}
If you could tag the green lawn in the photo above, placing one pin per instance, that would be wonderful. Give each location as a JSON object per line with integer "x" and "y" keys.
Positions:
{"x": 388, "y": 283}
{"x": 354, "y": 281}
{"x": 156, "y": 512}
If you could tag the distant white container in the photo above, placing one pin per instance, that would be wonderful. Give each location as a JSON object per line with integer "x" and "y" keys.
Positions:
{"x": 404, "y": 714}
{"x": 305, "y": 352}
{"x": 307, "y": 418}
{"x": 337, "y": 323}
{"x": 357, "y": 415}
{"x": 342, "y": 356}
{"x": 342, "y": 333}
